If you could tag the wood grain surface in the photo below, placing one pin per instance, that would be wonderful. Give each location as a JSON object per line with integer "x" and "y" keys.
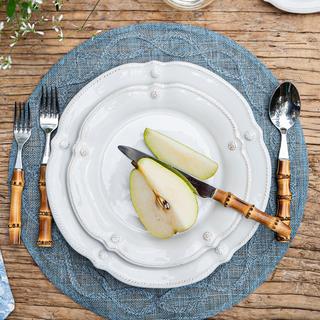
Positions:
{"x": 288, "y": 44}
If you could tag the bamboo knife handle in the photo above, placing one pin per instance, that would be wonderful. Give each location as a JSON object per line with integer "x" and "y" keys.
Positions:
{"x": 251, "y": 212}
{"x": 17, "y": 184}
{"x": 45, "y": 216}
{"x": 284, "y": 195}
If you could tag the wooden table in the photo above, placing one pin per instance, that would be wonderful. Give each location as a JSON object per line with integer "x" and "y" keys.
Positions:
{"x": 288, "y": 44}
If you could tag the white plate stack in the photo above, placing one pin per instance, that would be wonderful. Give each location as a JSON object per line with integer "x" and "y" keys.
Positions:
{"x": 88, "y": 177}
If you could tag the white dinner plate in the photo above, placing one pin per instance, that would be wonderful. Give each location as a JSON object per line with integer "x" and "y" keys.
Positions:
{"x": 74, "y": 115}
{"x": 297, "y": 6}
{"x": 98, "y": 176}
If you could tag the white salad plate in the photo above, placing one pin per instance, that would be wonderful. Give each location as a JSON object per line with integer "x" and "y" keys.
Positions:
{"x": 249, "y": 138}
{"x": 98, "y": 176}
{"x": 297, "y": 6}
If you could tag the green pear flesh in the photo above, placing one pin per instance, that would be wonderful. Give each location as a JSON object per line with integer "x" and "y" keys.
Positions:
{"x": 179, "y": 155}
{"x": 194, "y": 190}
{"x": 154, "y": 218}
{"x": 163, "y": 201}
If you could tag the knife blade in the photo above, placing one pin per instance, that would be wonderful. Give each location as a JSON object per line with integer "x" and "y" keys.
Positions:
{"x": 226, "y": 198}
{"x": 204, "y": 190}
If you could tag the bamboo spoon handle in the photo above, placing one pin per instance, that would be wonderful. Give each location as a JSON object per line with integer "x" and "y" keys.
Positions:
{"x": 45, "y": 216}
{"x": 284, "y": 195}
{"x": 251, "y": 212}
{"x": 17, "y": 184}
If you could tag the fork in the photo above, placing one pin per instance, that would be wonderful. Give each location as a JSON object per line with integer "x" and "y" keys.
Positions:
{"x": 49, "y": 119}
{"x": 22, "y": 133}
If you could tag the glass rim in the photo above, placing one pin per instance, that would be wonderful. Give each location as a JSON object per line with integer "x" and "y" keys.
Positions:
{"x": 188, "y": 5}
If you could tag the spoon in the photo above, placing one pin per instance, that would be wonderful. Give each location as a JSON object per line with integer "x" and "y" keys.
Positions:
{"x": 284, "y": 110}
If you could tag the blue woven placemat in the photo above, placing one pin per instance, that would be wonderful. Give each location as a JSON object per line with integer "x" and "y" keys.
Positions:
{"x": 250, "y": 266}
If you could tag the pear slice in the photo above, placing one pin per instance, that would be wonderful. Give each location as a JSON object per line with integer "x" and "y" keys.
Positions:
{"x": 179, "y": 155}
{"x": 194, "y": 190}
{"x": 163, "y": 201}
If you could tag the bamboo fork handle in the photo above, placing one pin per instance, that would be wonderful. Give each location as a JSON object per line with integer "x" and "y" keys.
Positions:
{"x": 17, "y": 184}
{"x": 251, "y": 212}
{"x": 284, "y": 195}
{"x": 45, "y": 216}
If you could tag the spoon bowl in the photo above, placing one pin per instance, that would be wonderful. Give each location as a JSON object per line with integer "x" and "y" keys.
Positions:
{"x": 285, "y": 106}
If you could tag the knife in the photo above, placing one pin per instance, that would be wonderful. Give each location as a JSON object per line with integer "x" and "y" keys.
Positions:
{"x": 205, "y": 190}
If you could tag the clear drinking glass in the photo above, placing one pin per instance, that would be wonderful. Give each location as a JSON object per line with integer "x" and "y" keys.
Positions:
{"x": 188, "y": 4}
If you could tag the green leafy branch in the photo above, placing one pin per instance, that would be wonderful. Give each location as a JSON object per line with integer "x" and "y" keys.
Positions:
{"x": 24, "y": 17}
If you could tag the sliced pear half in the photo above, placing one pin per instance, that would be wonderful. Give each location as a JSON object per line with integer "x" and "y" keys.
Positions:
{"x": 194, "y": 190}
{"x": 163, "y": 201}
{"x": 179, "y": 155}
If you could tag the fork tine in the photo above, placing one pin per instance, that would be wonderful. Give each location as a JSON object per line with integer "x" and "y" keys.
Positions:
{"x": 50, "y": 101}
{"x": 20, "y": 116}
{"x": 45, "y": 100}
{"x": 42, "y": 100}
{"x": 27, "y": 117}
{"x": 15, "y": 117}
{"x": 57, "y": 102}
{"x": 54, "y": 100}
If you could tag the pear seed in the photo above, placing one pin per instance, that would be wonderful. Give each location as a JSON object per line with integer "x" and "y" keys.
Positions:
{"x": 164, "y": 204}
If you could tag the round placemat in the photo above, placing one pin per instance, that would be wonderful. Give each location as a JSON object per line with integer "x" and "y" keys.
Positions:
{"x": 97, "y": 290}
